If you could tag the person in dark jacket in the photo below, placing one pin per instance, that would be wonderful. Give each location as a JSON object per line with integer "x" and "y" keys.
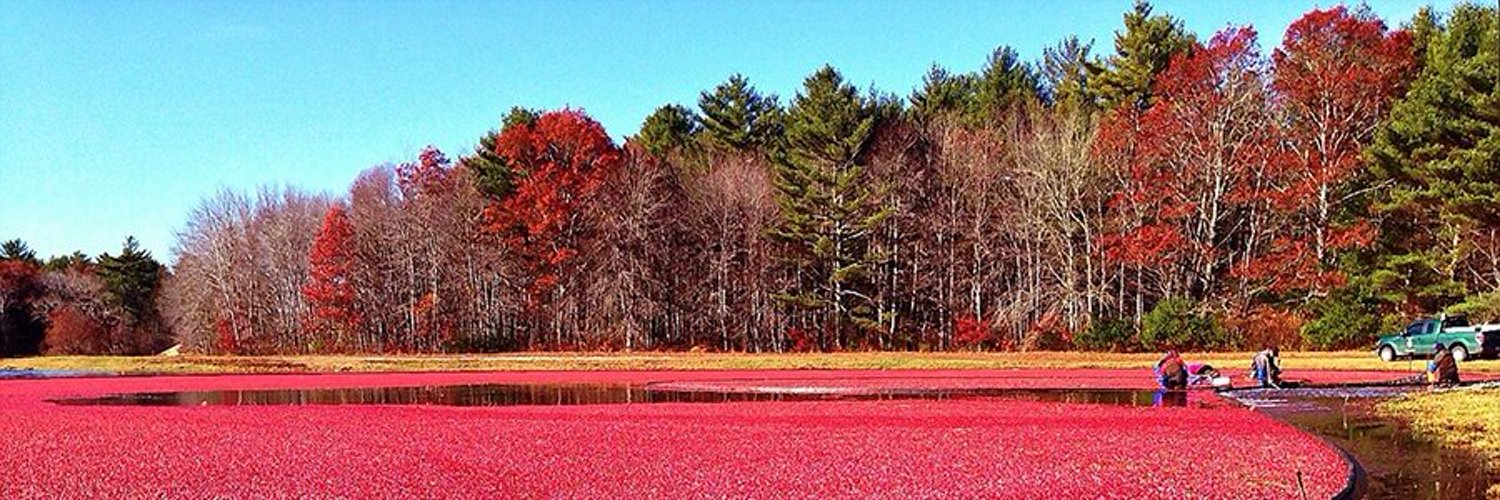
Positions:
{"x": 1444, "y": 367}
{"x": 1171, "y": 371}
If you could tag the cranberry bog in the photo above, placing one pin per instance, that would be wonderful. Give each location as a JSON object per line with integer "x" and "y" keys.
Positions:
{"x": 998, "y": 433}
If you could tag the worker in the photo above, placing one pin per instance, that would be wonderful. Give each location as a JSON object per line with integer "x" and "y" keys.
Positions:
{"x": 1171, "y": 372}
{"x": 1201, "y": 373}
{"x": 1443, "y": 370}
{"x": 1266, "y": 367}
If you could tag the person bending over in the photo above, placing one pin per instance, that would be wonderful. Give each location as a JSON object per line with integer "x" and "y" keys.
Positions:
{"x": 1443, "y": 370}
{"x": 1266, "y": 367}
{"x": 1171, "y": 372}
{"x": 1201, "y": 374}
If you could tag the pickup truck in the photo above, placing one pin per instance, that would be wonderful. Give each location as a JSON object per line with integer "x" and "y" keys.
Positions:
{"x": 1463, "y": 340}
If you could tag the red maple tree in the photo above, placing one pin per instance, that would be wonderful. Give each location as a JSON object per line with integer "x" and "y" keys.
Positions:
{"x": 560, "y": 161}
{"x": 1336, "y": 76}
{"x": 1193, "y": 162}
{"x": 329, "y": 289}
{"x": 431, "y": 174}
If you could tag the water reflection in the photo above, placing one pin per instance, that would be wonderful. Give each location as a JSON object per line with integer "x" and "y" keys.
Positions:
{"x": 1398, "y": 462}
{"x": 1164, "y": 397}
{"x": 593, "y": 394}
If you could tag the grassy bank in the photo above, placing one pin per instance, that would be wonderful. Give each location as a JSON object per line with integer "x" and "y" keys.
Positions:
{"x": 1350, "y": 360}
{"x": 1462, "y": 418}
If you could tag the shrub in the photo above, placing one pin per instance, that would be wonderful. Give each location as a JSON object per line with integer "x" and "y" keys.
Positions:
{"x": 1047, "y": 333}
{"x": 800, "y": 340}
{"x": 1264, "y": 325}
{"x": 1173, "y": 324}
{"x": 70, "y": 331}
{"x": 971, "y": 332}
{"x": 1349, "y": 317}
{"x": 1106, "y": 335}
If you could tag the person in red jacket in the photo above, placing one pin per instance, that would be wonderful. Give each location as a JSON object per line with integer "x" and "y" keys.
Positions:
{"x": 1171, "y": 371}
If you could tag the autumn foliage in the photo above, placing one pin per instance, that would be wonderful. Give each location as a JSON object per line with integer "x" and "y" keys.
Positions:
{"x": 560, "y": 160}
{"x": 330, "y": 289}
{"x": 1180, "y": 191}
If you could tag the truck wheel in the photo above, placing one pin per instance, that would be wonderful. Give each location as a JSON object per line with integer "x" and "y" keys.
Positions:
{"x": 1460, "y": 352}
{"x": 1387, "y": 354}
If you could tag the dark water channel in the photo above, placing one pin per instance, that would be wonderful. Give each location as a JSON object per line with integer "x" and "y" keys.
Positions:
{"x": 594, "y": 394}
{"x": 1398, "y": 462}
{"x": 34, "y": 373}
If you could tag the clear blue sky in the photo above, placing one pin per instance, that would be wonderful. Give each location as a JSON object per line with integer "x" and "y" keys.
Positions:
{"x": 117, "y": 117}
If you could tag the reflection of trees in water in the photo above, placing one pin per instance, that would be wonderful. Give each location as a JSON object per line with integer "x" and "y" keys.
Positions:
{"x": 590, "y": 394}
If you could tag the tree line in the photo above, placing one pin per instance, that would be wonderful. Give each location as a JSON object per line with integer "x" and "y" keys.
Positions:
{"x": 1171, "y": 192}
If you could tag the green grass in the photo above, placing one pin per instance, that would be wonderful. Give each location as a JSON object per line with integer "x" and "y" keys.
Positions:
{"x": 1347, "y": 360}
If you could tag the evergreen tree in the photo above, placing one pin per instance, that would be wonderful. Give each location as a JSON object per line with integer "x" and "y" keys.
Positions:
{"x": 828, "y": 214}
{"x": 1004, "y": 83}
{"x": 76, "y": 259}
{"x": 668, "y": 128}
{"x": 131, "y": 278}
{"x": 1065, "y": 75}
{"x": 1423, "y": 28}
{"x": 978, "y": 98}
{"x": 492, "y": 174}
{"x": 1142, "y": 51}
{"x": 519, "y": 116}
{"x": 17, "y": 250}
{"x": 736, "y": 116}
{"x": 1439, "y": 150}
{"x": 942, "y": 93}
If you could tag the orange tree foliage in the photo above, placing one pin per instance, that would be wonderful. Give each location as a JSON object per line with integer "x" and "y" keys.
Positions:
{"x": 71, "y": 331}
{"x": 1336, "y": 75}
{"x": 560, "y": 160}
{"x": 329, "y": 290}
{"x": 1193, "y": 162}
{"x": 431, "y": 175}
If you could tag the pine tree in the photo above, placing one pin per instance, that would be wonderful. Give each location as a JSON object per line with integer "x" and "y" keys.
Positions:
{"x": 1423, "y": 27}
{"x": 1004, "y": 82}
{"x": 736, "y": 116}
{"x": 77, "y": 259}
{"x": 942, "y": 93}
{"x": 17, "y": 250}
{"x": 131, "y": 278}
{"x": 826, "y": 203}
{"x": 977, "y": 98}
{"x": 519, "y": 116}
{"x": 493, "y": 175}
{"x": 1142, "y": 51}
{"x": 1440, "y": 151}
{"x": 668, "y": 128}
{"x": 1065, "y": 75}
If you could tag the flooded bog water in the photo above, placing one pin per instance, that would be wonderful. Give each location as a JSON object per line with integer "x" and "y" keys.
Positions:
{"x": 1397, "y": 462}
{"x": 34, "y": 373}
{"x": 594, "y": 394}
